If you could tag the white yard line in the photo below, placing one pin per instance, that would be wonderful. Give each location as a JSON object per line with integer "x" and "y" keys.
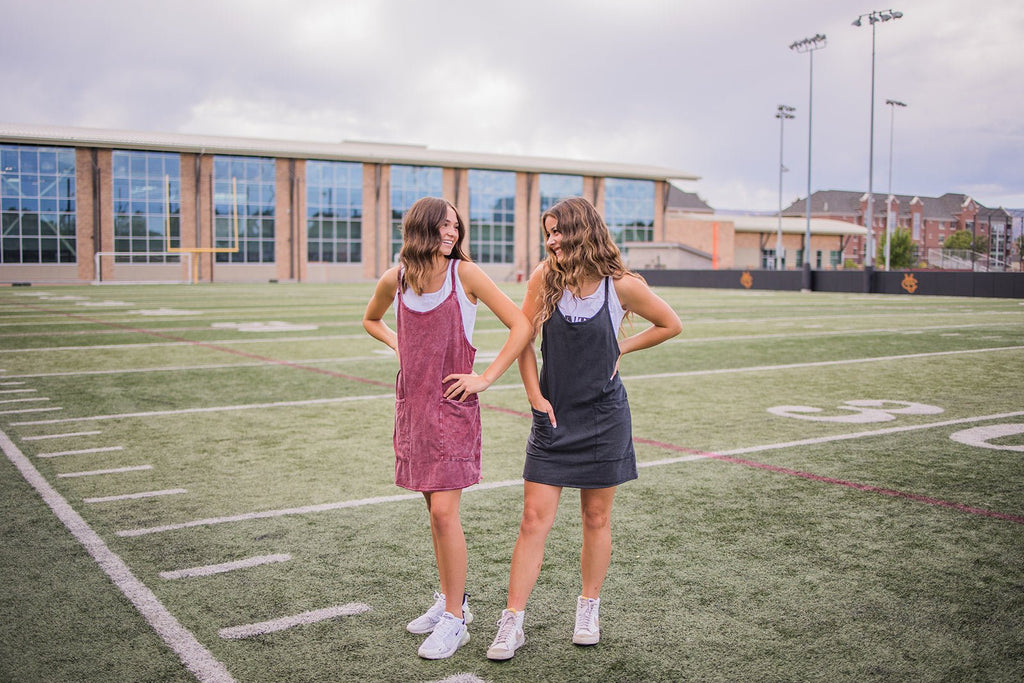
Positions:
{"x": 196, "y": 658}
{"x": 211, "y": 569}
{"x": 268, "y": 514}
{"x": 210, "y": 366}
{"x": 187, "y": 342}
{"x": 212, "y": 409}
{"x": 822, "y": 363}
{"x": 312, "y": 617}
{"x": 829, "y": 439}
{"x": 59, "y": 436}
{"x": 116, "y": 470}
{"x": 135, "y": 496}
{"x": 27, "y": 399}
{"x": 81, "y": 451}
{"x": 516, "y": 385}
{"x": 326, "y": 507}
{"x": 21, "y": 411}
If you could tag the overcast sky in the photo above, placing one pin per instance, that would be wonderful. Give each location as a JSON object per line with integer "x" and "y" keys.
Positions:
{"x": 688, "y": 84}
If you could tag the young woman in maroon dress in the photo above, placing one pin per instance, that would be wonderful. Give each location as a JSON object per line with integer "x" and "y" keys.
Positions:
{"x": 437, "y": 440}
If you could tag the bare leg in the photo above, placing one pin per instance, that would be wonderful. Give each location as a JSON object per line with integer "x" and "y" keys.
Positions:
{"x": 540, "y": 503}
{"x": 596, "y": 507}
{"x": 449, "y": 546}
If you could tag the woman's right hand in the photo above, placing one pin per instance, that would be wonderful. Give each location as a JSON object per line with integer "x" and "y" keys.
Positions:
{"x": 544, "y": 406}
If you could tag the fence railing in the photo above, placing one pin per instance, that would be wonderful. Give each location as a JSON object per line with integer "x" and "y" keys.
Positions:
{"x": 964, "y": 259}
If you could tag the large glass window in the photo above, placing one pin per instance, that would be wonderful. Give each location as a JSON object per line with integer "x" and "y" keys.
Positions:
{"x": 554, "y": 188}
{"x": 492, "y": 212}
{"x": 409, "y": 183}
{"x": 629, "y": 209}
{"x": 245, "y": 185}
{"x": 147, "y": 206}
{"x": 37, "y": 204}
{"x": 334, "y": 211}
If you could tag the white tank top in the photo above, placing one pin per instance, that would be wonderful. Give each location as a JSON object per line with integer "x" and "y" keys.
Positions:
{"x": 577, "y": 309}
{"x": 431, "y": 300}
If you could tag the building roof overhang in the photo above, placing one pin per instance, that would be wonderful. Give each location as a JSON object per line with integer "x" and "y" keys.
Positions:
{"x": 790, "y": 224}
{"x": 365, "y": 152}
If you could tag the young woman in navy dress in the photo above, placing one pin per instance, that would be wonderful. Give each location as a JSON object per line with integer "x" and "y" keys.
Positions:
{"x": 581, "y": 435}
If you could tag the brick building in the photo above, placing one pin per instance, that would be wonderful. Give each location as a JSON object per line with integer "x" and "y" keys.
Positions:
{"x": 930, "y": 220}
{"x": 82, "y": 205}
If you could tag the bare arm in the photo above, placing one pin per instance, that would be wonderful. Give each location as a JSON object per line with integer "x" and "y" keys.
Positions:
{"x": 380, "y": 302}
{"x": 476, "y": 284}
{"x": 636, "y": 297}
{"x": 528, "y": 358}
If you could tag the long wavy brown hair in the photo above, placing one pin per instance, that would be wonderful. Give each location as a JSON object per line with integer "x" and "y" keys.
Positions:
{"x": 588, "y": 253}
{"x": 421, "y": 239}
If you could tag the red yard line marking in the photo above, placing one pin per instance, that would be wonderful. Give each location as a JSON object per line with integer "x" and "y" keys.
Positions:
{"x": 727, "y": 458}
{"x": 839, "y": 482}
{"x": 214, "y": 347}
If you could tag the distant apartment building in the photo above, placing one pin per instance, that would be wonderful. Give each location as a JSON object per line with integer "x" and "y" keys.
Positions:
{"x": 930, "y": 220}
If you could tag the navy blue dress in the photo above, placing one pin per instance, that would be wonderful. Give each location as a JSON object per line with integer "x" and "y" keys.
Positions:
{"x": 592, "y": 447}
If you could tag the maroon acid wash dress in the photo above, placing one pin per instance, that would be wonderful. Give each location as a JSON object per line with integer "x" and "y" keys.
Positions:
{"x": 437, "y": 440}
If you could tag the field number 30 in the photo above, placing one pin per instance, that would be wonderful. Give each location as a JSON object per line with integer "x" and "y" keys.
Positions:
{"x": 858, "y": 412}
{"x": 868, "y": 410}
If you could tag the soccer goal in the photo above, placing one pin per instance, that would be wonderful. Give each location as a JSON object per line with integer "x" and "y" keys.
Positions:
{"x": 153, "y": 267}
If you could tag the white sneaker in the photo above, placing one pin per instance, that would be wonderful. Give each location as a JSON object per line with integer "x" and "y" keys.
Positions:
{"x": 426, "y": 622}
{"x": 448, "y": 636}
{"x": 588, "y": 623}
{"x": 510, "y": 636}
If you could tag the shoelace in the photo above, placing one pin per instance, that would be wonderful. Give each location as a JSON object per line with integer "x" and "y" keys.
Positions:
{"x": 584, "y": 617}
{"x": 506, "y": 629}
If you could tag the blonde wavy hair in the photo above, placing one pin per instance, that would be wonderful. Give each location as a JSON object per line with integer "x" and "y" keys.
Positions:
{"x": 421, "y": 239}
{"x": 588, "y": 253}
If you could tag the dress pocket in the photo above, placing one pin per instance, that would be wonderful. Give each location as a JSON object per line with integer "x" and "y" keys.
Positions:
{"x": 541, "y": 434}
{"x": 613, "y": 437}
{"x": 461, "y": 437}
{"x": 402, "y": 437}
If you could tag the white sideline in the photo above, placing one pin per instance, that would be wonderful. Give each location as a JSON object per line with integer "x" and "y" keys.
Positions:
{"x": 211, "y": 569}
{"x": 250, "y": 630}
{"x": 196, "y": 658}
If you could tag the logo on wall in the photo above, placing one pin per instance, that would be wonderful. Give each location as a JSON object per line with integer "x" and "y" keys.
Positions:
{"x": 747, "y": 280}
{"x": 909, "y": 283}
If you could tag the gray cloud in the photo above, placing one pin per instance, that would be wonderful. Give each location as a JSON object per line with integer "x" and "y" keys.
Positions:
{"x": 691, "y": 84}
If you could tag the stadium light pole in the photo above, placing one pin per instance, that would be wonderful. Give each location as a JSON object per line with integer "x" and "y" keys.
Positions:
{"x": 869, "y": 215}
{"x": 809, "y": 45}
{"x": 890, "y": 219}
{"x": 784, "y": 112}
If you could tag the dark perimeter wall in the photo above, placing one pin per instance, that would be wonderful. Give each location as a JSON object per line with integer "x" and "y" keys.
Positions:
{"x": 908, "y": 282}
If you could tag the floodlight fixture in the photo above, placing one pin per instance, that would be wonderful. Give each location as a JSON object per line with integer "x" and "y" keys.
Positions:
{"x": 869, "y": 217}
{"x": 809, "y": 45}
{"x": 784, "y": 112}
